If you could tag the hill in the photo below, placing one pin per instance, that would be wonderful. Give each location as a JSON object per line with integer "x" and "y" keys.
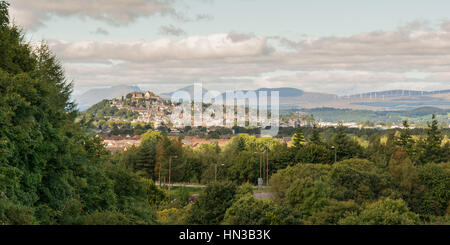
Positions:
{"x": 188, "y": 89}
{"x": 94, "y": 96}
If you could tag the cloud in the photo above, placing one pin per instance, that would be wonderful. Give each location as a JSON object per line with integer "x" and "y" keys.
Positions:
{"x": 27, "y": 18}
{"x": 33, "y": 14}
{"x": 403, "y": 50}
{"x": 206, "y": 17}
{"x": 217, "y": 46}
{"x": 171, "y": 31}
{"x": 100, "y": 31}
{"x": 364, "y": 62}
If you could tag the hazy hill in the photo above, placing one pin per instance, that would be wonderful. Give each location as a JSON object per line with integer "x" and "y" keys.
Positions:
{"x": 94, "y": 96}
{"x": 189, "y": 89}
{"x": 292, "y": 98}
{"x": 421, "y": 115}
{"x": 401, "y": 100}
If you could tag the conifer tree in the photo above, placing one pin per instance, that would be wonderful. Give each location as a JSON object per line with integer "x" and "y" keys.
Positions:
{"x": 345, "y": 146}
{"x": 405, "y": 139}
{"x": 298, "y": 139}
{"x": 315, "y": 136}
{"x": 433, "y": 150}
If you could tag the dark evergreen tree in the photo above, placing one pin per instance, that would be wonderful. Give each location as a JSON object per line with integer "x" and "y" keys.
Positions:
{"x": 315, "y": 136}
{"x": 432, "y": 151}
{"x": 51, "y": 170}
{"x": 405, "y": 140}
{"x": 345, "y": 146}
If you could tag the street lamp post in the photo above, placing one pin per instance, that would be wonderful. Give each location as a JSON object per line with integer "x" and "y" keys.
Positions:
{"x": 260, "y": 180}
{"x": 215, "y": 172}
{"x": 335, "y": 153}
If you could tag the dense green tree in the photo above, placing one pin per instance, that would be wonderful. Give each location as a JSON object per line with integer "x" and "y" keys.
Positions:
{"x": 405, "y": 139}
{"x": 359, "y": 180}
{"x": 52, "y": 171}
{"x": 249, "y": 211}
{"x": 169, "y": 157}
{"x": 435, "y": 199}
{"x": 346, "y": 147}
{"x": 298, "y": 139}
{"x": 308, "y": 196}
{"x": 403, "y": 172}
{"x": 280, "y": 157}
{"x": 315, "y": 154}
{"x": 284, "y": 179}
{"x": 383, "y": 212}
{"x": 315, "y": 136}
{"x": 378, "y": 152}
{"x": 210, "y": 207}
{"x": 333, "y": 212}
{"x": 432, "y": 148}
{"x": 243, "y": 167}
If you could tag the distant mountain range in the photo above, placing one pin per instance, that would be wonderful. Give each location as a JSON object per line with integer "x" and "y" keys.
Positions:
{"x": 93, "y": 96}
{"x": 292, "y": 98}
{"x": 188, "y": 89}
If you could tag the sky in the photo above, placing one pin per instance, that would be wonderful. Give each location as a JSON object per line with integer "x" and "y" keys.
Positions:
{"x": 342, "y": 47}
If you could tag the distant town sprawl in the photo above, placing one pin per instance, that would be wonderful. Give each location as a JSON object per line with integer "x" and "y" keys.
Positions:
{"x": 149, "y": 108}
{"x": 121, "y": 121}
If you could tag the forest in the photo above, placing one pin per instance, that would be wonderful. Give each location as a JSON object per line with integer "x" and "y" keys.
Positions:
{"x": 53, "y": 171}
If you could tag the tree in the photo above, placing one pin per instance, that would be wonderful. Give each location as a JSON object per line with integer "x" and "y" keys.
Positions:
{"x": 383, "y": 212}
{"x": 403, "y": 172}
{"x": 359, "y": 180}
{"x": 210, "y": 207}
{"x": 405, "y": 139}
{"x": 345, "y": 146}
{"x": 432, "y": 148}
{"x": 152, "y": 146}
{"x": 249, "y": 211}
{"x": 298, "y": 139}
{"x": 282, "y": 181}
{"x": 315, "y": 136}
{"x": 435, "y": 198}
{"x": 280, "y": 157}
{"x": 315, "y": 154}
{"x": 241, "y": 146}
{"x": 333, "y": 212}
{"x": 169, "y": 158}
{"x": 52, "y": 170}
{"x": 378, "y": 152}
{"x": 243, "y": 167}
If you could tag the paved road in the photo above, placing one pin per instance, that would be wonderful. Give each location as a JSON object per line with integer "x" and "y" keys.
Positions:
{"x": 185, "y": 185}
{"x": 257, "y": 195}
{"x": 263, "y": 195}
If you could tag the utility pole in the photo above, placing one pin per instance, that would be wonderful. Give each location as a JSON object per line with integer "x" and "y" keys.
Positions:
{"x": 170, "y": 169}
{"x": 215, "y": 172}
{"x": 260, "y": 164}
{"x": 159, "y": 166}
{"x": 266, "y": 167}
{"x": 260, "y": 179}
{"x": 267, "y": 172}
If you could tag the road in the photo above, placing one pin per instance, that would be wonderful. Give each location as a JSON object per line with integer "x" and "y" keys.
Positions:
{"x": 257, "y": 195}
{"x": 263, "y": 195}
